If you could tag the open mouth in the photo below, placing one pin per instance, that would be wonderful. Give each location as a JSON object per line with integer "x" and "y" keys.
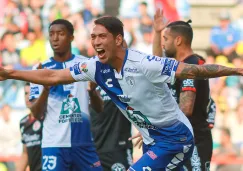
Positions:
{"x": 101, "y": 52}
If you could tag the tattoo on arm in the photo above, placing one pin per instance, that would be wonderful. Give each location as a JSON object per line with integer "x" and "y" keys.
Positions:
{"x": 187, "y": 100}
{"x": 206, "y": 71}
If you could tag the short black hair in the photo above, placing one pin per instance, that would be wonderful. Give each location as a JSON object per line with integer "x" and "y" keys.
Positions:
{"x": 66, "y": 23}
{"x": 27, "y": 84}
{"x": 112, "y": 24}
{"x": 183, "y": 28}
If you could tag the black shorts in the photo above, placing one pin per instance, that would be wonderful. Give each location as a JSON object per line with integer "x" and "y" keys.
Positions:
{"x": 116, "y": 160}
{"x": 202, "y": 154}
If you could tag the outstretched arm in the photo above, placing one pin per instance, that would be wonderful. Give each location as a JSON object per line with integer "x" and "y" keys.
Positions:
{"x": 205, "y": 71}
{"x": 42, "y": 76}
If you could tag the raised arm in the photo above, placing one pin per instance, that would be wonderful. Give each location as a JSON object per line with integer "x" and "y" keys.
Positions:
{"x": 205, "y": 71}
{"x": 158, "y": 25}
{"x": 42, "y": 76}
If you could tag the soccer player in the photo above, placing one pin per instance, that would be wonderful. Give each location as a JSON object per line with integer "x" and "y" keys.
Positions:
{"x": 137, "y": 84}
{"x": 31, "y": 131}
{"x": 67, "y": 143}
{"x": 193, "y": 96}
{"x": 111, "y": 131}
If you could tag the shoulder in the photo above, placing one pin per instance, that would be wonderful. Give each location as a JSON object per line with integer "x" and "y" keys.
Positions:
{"x": 135, "y": 55}
{"x": 24, "y": 119}
{"x": 194, "y": 59}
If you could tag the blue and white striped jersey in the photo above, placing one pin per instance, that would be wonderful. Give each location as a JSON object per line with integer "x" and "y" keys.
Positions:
{"x": 140, "y": 91}
{"x": 66, "y": 122}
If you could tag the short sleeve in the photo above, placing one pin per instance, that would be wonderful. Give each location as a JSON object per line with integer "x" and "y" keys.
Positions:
{"x": 159, "y": 69}
{"x": 35, "y": 89}
{"x": 84, "y": 71}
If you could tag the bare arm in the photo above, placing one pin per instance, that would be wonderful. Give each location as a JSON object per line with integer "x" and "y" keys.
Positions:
{"x": 158, "y": 25}
{"x": 96, "y": 101}
{"x": 205, "y": 71}
{"x": 41, "y": 76}
{"x": 157, "y": 49}
{"x": 38, "y": 107}
{"x": 187, "y": 100}
{"x": 23, "y": 161}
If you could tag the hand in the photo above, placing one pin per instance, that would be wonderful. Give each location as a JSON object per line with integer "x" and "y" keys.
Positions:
{"x": 3, "y": 74}
{"x": 159, "y": 21}
{"x": 91, "y": 87}
{"x": 46, "y": 88}
{"x": 139, "y": 141}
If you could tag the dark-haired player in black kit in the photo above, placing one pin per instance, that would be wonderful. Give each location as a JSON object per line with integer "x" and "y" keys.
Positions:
{"x": 111, "y": 131}
{"x": 31, "y": 130}
{"x": 193, "y": 96}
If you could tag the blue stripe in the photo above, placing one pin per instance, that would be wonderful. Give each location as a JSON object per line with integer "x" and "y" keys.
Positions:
{"x": 125, "y": 59}
{"x": 106, "y": 78}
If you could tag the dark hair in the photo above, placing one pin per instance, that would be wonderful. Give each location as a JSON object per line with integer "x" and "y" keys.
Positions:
{"x": 6, "y": 34}
{"x": 27, "y": 84}
{"x": 144, "y": 3}
{"x": 112, "y": 24}
{"x": 66, "y": 23}
{"x": 183, "y": 28}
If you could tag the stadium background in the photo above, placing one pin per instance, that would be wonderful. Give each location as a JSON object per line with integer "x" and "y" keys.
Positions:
{"x": 24, "y": 42}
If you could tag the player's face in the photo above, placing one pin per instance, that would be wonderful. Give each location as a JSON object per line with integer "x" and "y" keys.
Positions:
{"x": 104, "y": 43}
{"x": 168, "y": 43}
{"x": 60, "y": 38}
{"x": 27, "y": 94}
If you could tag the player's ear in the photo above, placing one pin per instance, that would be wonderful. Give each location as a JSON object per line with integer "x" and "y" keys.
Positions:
{"x": 72, "y": 38}
{"x": 178, "y": 40}
{"x": 119, "y": 40}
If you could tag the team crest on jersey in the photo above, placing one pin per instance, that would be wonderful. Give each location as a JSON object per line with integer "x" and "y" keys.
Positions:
{"x": 70, "y": 110}
{"x": 130, "y": 81}
{"x": 36, "y": 126}
{"x": 84, "y": 67}
{"x": 118, "y": 167}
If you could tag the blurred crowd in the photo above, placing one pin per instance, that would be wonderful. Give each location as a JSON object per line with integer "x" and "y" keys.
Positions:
{"x": 24, "y": 43}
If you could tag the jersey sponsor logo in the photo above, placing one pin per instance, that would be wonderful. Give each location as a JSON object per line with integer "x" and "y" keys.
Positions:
{"x": 118, "y": 167}
{"x": 96, "y": 164}
{"x": 154, "y": 58}
{"x": 104, "y": 71}
{"x": 169, "y": 66}
{"x": 51, "y": 66}
{"x": 188, "y": 83}
{"x": 32, "y": 140}
{"x": 130, "y": 81}
{"x": 70, "y": 111}
{"x": 132, "y": 70}
{"x": 109, "y": 82}
{"x": 124, "y": 98}
{"x": 36, "y": 126}
{"x": 34, "y": 91}
{"x": 139, "y": 119}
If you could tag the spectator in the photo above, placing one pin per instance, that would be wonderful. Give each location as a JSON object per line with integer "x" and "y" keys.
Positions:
{"x": 224, "y": 38}
{"x": 35, "y": 52}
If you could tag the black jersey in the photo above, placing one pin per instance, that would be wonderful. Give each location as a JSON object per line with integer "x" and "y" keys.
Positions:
{"x": 201, "y": 88}
{"x": 110, "y": 128}
{"x": 31, "y": 130}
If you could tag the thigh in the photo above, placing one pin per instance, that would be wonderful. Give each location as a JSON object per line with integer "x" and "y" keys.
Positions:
{"x": 56, "y": 159}
{"x": 164, "y": 156}
{"x": 85, "y": 159}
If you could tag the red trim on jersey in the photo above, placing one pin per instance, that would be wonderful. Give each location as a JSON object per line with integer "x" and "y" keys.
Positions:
{"x": 189, "y": 89}
{"x": 200, "y": 62}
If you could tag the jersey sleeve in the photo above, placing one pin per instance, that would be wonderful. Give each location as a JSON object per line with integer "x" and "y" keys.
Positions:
{"x": 159, "y": 69}
{"x": 84, "y": 71}
{"x": 35, "y": 89}
{"x": 189, "y": 85}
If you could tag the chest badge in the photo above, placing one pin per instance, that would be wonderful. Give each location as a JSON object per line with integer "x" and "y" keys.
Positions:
{"x": 130, "y": 81}
{"x": 36, "y": 126}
